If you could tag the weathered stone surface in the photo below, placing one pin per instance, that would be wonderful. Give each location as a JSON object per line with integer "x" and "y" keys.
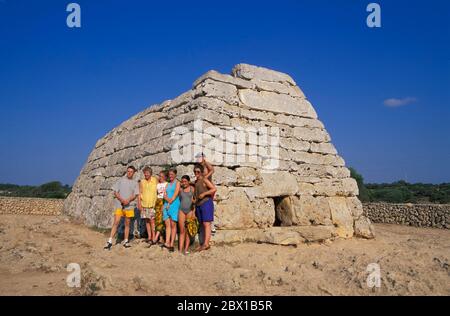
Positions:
{"x": 310, "y": 210}
{"x": 341, "y": 216}
{"x": 305, "y": 188}
{"x": 286, "y": 236}
{"x": 323, "y": 148}
{"x": 343, "y": 187}
{"x": 216, "y": 89}
{"x": 274, "y": 184}
{"x": 355, "y": 206}
{"x": 363, "y": 228}
{"x": 311, "y": 135}
{"x": 271, "y": 154}
{"x": 222, "y": 193}
{"x": 247, "y": 176}
{"x": 235, "y": 212}
{"x": 278, "y": 236}
{"x": 276, "y": 103}
{"x": 293, "y": 121}
{"x": 263, "y": 212}
{"x": 224, "y": 176}
{"x": 280, "y": 88}
{"x": 316, "y": 233}
{"x": 250, "y": 72}
{"x": 216, "y": 76}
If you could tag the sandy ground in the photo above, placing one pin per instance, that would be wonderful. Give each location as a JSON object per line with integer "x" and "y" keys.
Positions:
{"x": 35, "y": 251}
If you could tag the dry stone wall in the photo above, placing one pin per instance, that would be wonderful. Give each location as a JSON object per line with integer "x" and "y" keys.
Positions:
{"x": 30, "y": 206}
{"x": 274, "y": 161}
{"x": 419, "y": 215}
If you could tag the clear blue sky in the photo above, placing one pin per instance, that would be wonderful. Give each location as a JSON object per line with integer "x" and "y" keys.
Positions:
{"x": 61, "y": 89}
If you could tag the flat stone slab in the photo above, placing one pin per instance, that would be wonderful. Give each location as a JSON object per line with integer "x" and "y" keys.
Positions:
{"x": 286, "y": 236}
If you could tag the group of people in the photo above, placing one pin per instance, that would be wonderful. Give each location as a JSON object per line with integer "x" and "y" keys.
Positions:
{"x": 169, "y": 206}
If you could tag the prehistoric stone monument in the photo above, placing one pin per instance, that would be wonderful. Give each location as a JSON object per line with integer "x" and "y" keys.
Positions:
{"x": 279, "y": 178}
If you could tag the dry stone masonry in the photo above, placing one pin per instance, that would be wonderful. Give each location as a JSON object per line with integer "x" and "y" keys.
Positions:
{"x": 418, "y": 215}
{"x": 30, "y": 206}
{"x": 279, "y": 177}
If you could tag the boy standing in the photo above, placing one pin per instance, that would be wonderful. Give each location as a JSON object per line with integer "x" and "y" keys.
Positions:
{"x": 126, "y": 191}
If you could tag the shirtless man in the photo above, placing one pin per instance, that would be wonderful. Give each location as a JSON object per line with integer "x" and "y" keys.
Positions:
{"x": 208, "y": 171}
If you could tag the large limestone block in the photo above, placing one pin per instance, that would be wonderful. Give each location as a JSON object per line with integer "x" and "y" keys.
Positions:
{"x": 234, "y": 213}
{"x": 274, "y": 184}
{"x": 220, "y": 90}
{"x": 322, "y": 171}
{"x": 280, "y": 236}
{"x": 355, "y": 206}
{"x": 323, "y": 148}
{"x": 247, "y": 176}
{"x": 250, "y": 72}
{"x": 216, "y": 76}
{"x": 311, "y": 135}
{"x": 315, "y": 159}
{"x": 316, "y": 233}
{"x": 280, "y": 88}
{"x": 339, "y": 187}
{"x": 277, "y": 103}
{"x": 224, "y": 176}
{"x": 305, "y": 188}
{"x": 294, "y": 144}
{"x": 341, "y": 216}
{"x": 263, "y": 212}
{"x": 222, "y": 193}
{"x": 293, "y": 121}
{"x": 310, "y": 209}
{"x": 364, "y": 228}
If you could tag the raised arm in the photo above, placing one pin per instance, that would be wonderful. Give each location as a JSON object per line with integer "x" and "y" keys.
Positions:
{"x": 210, "y": 168}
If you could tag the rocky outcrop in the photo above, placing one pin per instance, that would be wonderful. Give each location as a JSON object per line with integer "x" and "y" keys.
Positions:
{"x": 274, "y": 161}
{"x": 418, "y": 215}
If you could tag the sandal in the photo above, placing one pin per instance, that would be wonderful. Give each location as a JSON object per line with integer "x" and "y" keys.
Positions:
{"x": 127, "y": 245}
{"x": 108, "y": 246}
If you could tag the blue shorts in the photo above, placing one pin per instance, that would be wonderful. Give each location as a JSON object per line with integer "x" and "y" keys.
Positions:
{"x": 205, "y": 212}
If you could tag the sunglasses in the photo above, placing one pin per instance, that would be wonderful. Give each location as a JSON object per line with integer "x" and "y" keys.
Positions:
{"x": 197, "y": 171}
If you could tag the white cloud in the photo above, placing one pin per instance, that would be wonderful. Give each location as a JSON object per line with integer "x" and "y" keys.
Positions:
{"x": 395, "y": 102}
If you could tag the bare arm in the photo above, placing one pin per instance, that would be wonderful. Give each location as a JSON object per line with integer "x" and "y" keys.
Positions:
{"x": 210, "y": 169}
{"x": 210, "y": 186}
{"x": 139, "y": 202}
{"x": 177, "y": 191}
{"x": 166, "y": 197}
{"x": 117, "y": 196}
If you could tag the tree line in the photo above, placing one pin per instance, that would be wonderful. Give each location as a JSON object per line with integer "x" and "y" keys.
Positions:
{"x": 401, "y": 191}
{"x": 53, "y": 190}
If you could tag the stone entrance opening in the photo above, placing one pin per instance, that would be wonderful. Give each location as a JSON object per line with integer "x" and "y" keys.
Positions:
{"x": 283, "y": 211}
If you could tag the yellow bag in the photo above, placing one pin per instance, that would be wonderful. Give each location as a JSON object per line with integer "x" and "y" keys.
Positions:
{"x": 192, "y": 226}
